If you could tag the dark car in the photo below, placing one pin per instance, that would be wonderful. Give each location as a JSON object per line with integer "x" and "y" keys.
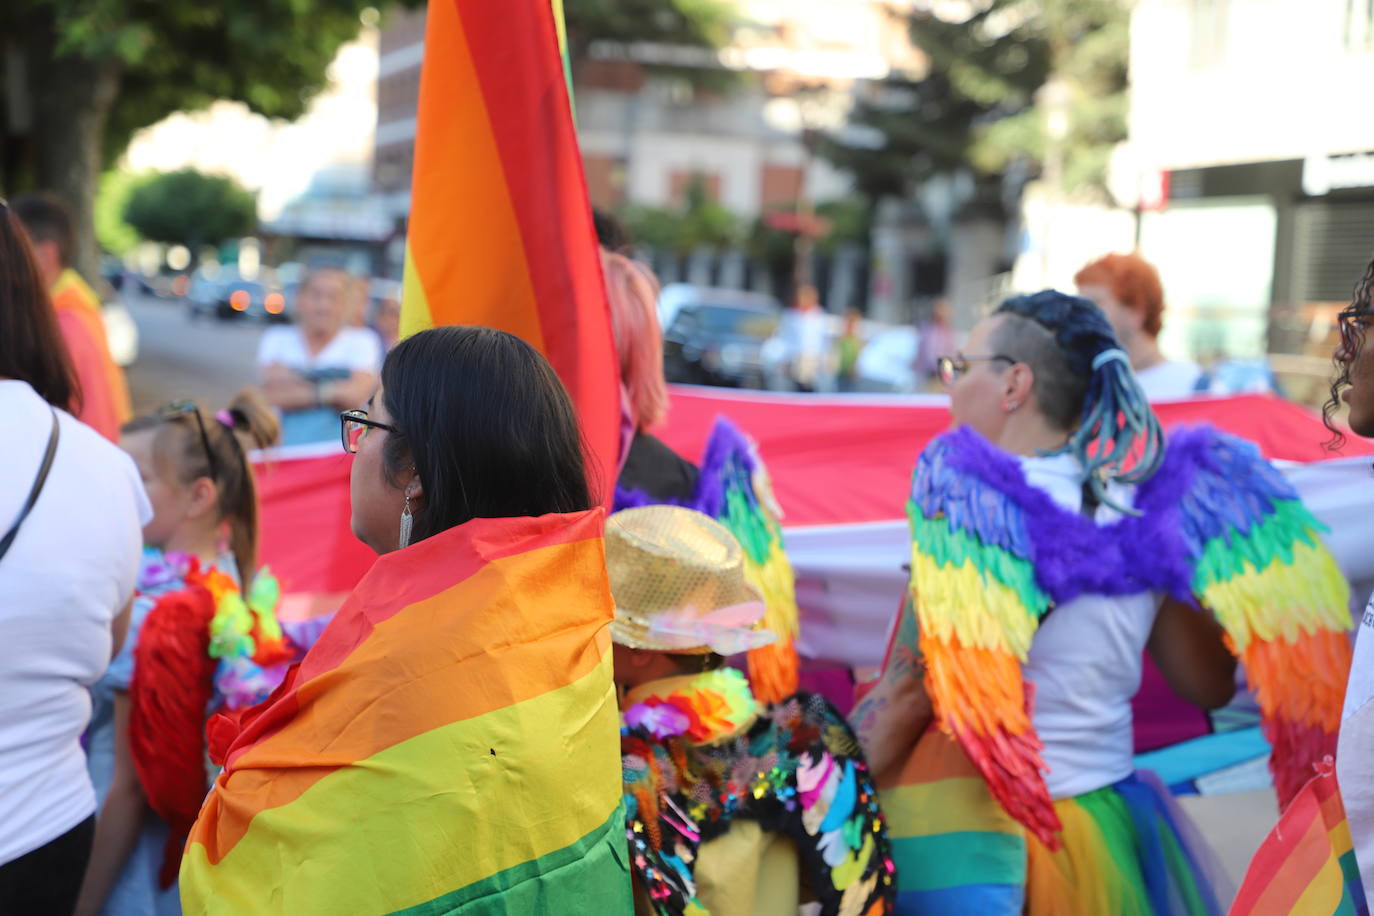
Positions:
{"x": 250, "y": 299}
{"x": 719, "y": 340}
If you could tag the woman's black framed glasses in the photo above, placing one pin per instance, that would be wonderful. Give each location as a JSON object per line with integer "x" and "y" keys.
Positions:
{"x": 353, "y": 424}
{"x": 178, "y": 409}
{"x": 951, "y": 367}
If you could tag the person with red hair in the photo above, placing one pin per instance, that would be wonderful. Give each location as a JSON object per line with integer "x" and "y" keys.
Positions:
{"x": 1126, "y": 287}
{"x": 648, "y": 465}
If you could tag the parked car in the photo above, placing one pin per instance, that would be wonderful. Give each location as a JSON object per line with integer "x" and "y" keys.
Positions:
{"x": 716, "y": 337}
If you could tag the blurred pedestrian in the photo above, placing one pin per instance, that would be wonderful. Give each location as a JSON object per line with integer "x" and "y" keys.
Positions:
{"x": 935, "y": 338}
{"x": 105, "y": 402}
{"x": 387, "y": 321}
{"x": 1126, "y": 287}
{"x": 464, "y": 686}
{"x": 647, "y": 464}
{"x": 804, "y": 333}
{"x": 319, "y": 366}
{"x": 200, "y": 483}
{"x": 71, "y": 510}
{"x": 847, "y": 347}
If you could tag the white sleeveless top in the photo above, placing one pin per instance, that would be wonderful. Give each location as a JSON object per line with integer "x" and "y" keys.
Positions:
{"x": 1085, "y": 662}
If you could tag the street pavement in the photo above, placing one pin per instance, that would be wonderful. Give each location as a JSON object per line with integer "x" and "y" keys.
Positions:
{"x": 209, "y": 361}
{"x": 205, "y": 360}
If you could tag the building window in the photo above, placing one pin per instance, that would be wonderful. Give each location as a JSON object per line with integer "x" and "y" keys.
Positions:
{"x": 1359, "y": 25}
{"x": 1208, "y": 33}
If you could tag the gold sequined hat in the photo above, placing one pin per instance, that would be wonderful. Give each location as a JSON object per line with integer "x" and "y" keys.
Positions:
{"x": 677, "y": 577}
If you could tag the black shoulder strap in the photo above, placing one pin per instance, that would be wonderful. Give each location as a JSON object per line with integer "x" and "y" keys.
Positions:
{"x": 37, "y": 488}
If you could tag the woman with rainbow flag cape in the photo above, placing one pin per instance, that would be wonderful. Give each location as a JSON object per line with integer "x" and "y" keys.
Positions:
{"x": 731, "y": 486}
{"x": 1055, "y": 537}
{"x": 449, "y": 744}
{"x": 734, "y": 808}
{"x": 196, "y": 644}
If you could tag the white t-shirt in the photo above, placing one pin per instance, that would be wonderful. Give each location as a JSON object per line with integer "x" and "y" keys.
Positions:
{"x": 1355, "y": 749}
{"x": 1170, "y": 379}
{"x": 1085, "y": 662}
{"x": 354, "y": 349}
{"x": 70, "y": 570}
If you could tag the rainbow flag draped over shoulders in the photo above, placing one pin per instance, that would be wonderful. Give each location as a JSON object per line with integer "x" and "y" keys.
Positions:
{"x": 448, "y": 746}
{"x": 501, "y": 229}
{"x": 1307, "y": 863}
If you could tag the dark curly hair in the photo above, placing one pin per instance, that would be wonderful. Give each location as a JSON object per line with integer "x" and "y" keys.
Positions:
{"x": 1352, "y": 340}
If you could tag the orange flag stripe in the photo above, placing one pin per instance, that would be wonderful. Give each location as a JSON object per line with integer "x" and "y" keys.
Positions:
{"x": 501, "y": 232}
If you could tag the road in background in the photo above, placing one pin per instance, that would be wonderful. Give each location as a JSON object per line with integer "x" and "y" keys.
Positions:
{"x": 206, "y": 360}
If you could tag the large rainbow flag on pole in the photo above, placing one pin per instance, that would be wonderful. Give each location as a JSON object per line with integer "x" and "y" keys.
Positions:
{"x": 450, "y": 745}
{"x": 500, "y": 225}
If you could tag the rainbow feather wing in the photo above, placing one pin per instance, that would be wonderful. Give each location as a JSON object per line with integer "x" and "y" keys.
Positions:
{"x": 1260, "y": 566}
{"x": 735, "y": 490}
{"x": 976, "y": 598}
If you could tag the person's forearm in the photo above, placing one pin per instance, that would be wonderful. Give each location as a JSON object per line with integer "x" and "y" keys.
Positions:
{"x": 116, "y": 832}
{"x": 293, "y": 393}
{"x": 346, "y": 394}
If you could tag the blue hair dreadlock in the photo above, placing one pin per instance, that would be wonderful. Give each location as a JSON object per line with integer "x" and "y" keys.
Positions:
{"x": 1114, "y": 414}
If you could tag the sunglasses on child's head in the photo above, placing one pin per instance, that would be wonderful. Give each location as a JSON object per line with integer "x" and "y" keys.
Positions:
{"x": 178, "y": 409}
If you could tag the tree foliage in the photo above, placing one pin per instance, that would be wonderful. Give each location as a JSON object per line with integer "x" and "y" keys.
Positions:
{"x": 111, "y": 231}
{"x": 190, "y": 208}
{"x": 179, "y": 55}
{"x": 977, "y": 106}
{"x": 688, "y": 23}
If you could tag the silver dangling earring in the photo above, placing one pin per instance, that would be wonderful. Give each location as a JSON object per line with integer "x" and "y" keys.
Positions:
{"x": 406, "y": 522}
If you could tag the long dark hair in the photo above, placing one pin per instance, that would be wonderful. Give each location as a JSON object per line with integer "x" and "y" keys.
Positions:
{"x": 487, "y": 426}
{"x": 31, "y": 345}
{"x": 247, "y": 423}
{"x": 1350, "y": 323}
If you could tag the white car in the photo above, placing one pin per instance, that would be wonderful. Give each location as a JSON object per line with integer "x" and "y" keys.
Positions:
{"x": 121, "y": 333}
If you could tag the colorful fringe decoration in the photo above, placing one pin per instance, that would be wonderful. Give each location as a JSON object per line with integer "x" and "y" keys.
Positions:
{"x": 1307, "y": 863}
{"x": 1217, "y": 525}
{"x": 797, "y": 771}
{"x": 734, "y": 489}
{"x": 448, "y": 745}
{"x": 1260, "y": 566}
{"x": 501, "y": 229}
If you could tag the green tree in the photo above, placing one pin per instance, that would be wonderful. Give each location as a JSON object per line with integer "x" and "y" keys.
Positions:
{"x": 190, "y": 208}
{"x": 684, "y": 23}
{"x": 111, "y": 231}
{"x": 83, "y": 75}
{"x": 698, "y": 222}
{"x": 977, "y": 107}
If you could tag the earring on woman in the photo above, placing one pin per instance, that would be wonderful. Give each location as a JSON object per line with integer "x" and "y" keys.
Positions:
{"x": 1010, "y": 406}
{"x": 406, "y": 522}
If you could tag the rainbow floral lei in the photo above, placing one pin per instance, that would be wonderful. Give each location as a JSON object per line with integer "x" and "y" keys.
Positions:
{"x": 708, "y": 707}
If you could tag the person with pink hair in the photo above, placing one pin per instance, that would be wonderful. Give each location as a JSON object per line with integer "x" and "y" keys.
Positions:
{"x": 647, "y": 464}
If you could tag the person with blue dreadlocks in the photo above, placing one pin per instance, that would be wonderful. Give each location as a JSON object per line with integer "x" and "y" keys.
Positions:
{"x": 1057, "y": 537}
